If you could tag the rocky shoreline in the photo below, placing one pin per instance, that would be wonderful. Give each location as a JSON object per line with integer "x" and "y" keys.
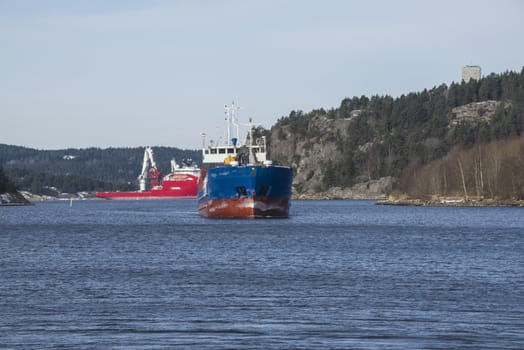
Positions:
{"x": 453, "y": 202}
{"x": 381, "y": 191}
{"x": 13, "y": 199}
{"x": 367, "y": 191}
{"x": 371, "y": 190}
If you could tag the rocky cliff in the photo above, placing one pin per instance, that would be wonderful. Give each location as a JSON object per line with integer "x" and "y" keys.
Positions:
{"x": 309, "y": 155}
{"x": 476, "y": 112}
{"x": 312, "y": 143}
{"x": 14, "y": 198}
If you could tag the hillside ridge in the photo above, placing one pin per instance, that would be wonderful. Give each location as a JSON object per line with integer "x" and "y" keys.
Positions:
{"x": 345, "y": 151}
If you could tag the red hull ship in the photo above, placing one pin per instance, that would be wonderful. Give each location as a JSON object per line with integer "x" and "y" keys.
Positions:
{"x": 182, "y": 182}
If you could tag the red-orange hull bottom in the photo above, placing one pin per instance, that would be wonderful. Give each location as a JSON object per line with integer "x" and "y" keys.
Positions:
{"x": 246, "y": 207}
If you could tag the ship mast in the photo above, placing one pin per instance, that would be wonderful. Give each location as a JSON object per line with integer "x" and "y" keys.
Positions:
{"x": 232, "y": 120}
{"x": 252, "y": 159}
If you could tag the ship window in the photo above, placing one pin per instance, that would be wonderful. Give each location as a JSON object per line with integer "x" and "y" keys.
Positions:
{"x": 213, "y": 151}
{"x": 230, "y": 150}
{"x": 241, "y": 191}
{"x": 221, "y": 151}
{"x": 264, "y": 190}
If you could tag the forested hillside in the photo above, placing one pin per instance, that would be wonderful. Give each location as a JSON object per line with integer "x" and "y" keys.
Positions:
{"x": 487, "y": 170}
{"x": 462, "y": 139}
{"x": 6, "y": 185}
{"x": 366, "y": 139}
{"x": 92, "y": 169}
{"x": 8, "y": 193}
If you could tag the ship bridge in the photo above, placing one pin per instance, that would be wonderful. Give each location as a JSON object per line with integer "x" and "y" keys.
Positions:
{"x": 252, "y": 152}
{"x": 218, "y": 154}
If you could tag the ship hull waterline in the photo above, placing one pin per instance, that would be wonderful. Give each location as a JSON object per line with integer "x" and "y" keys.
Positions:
{"x": 170, "y": 189}
{"x": 124, "y": 196}
{"x": 245, "y": 207}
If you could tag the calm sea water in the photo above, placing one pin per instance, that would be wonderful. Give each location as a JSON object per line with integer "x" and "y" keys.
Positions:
{"x": 335, "y": 275}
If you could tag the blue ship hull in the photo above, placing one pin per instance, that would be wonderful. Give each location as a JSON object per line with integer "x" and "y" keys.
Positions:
{"x": 248, "y": 191}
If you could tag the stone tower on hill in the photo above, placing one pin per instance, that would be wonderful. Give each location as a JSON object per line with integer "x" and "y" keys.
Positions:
{"x": 470, "y": 72}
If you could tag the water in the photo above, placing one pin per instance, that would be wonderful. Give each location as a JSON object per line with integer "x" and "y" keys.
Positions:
{"x": 336, "y": 275}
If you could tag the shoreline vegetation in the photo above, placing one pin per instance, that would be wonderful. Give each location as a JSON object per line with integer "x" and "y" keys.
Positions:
{"x": 9, "y": 196}
{"x": 9, "y": 199}
{"x": 438, "y": 202}
{"x": 449, "y": 202}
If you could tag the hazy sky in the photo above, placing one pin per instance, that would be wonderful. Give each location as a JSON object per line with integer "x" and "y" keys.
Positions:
{"x": 134, "y": 72}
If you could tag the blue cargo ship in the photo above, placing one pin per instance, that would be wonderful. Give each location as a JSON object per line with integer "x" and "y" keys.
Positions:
{"x": 239, "y": 182}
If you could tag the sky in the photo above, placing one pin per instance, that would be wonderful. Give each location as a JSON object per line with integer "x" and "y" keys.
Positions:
{"x": 127, "y": 73}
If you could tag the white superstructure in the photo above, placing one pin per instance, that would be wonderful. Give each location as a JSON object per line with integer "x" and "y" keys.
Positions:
{"x": 186, "y": 168}
{"x": 221, "y": 152}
